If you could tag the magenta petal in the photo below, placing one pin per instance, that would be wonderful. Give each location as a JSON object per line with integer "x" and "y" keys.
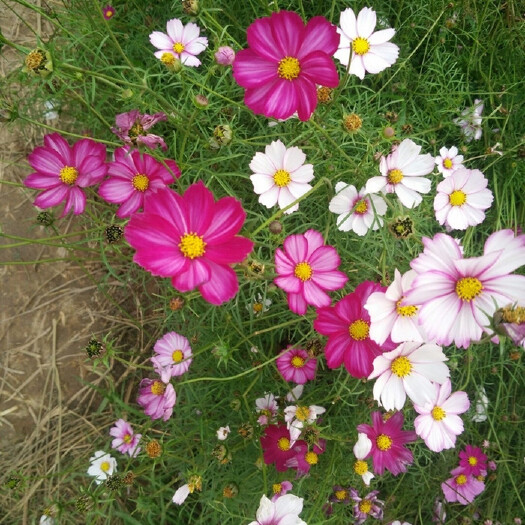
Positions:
{"x": 251, "y": 71}
{"x": 196, "y": 273}
{"x": 233, "y": 251}
{"x": 86, "y": 147}
{"x": 257, "y": 99}
{"x": 199, "y": 203}
{"x": 320, "y": 69}
{"x": 283, "y": 264}
{"x": 288, "y": 283}
{"x": 288, "y": 32}
{"x": 42, "y": 182}
{"x": 314, "y": 295}
{"x": 329, "y": 323}
{"x": 325, "y": 258}
{"x": 320, "y": 35}
{"x": 170, "y": 205}
{"x": 260, "y": 39}
{"x": 306, "y": 98}
{"x": 52, "y": 197}
{"x": 296, "y": 303}
{"x": 76, "y": 200}
{"x": 131, "y": 205}
{"x": 222, "y": 285}
{"x": 296, "y": 247}
{"x": 116, "y": 190}
{"x": 46, "y": 161}
{"x": 58, "y": 143}
{"x": 91, "y": 171}
{"x": 282, "y": 101}
{"x": 228, "y": 218}
{"x": 336, "y": 349}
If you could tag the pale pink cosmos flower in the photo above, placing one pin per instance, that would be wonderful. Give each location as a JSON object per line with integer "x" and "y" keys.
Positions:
{"x": 294, "y": 364}
{"x": 438, "y": 422}
{"x": 448, "y": 161}
{"x": 371, "y": 51}
{"x": 173, "y": 356}
{"x": 402, "y": 173}
{"x": 281, "y": 175}
{"x": 306, "y": 269}
{"x": 470, "y": 121}
{"x": 182, "y": 43}
{"x": 410, "y": 369}
{"x": 362, "y": 449}
{"x": 296, "y": 416}
{"x": 283, "y": 511}
{"x": 126, "y": 441}
{"x": 267, "y": 407}
{"x": 461, "y": 488}
{"x": 280, "y": 489}
{"x": 391, "y": 316}
{"x": 462, "y": 199}
{"x": 132, "y": 128}
{"x": 356, "y": 210}
{"x": 156, "y": 398}
{"x": 225, "y": 56}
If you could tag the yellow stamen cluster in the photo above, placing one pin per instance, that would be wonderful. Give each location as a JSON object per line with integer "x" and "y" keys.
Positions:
{"x": 34, "y": 59}
{"x": 384, "y": 442}
{"x": 257, "y": 308}
{"x": 360, "y": 467}
{"x": 513, "y": 315}
{"x": 468, "y": 288}
{"x": 105, "y": 466}
{"x": 302, "y": 413}
{"x": 401, "y": 366}
{"x": 167, "y": 59}
{"x": 178, "y": 47}
{"x": 359, "y": 330}
{"x": 457, "y": 198}
{"x": 361, "y": 207}
{"x": 140, "y": 182}
{"x": 127, "y": 438}
{"x": 153, "y": 449}
{"x": 68, "y": 175}
{"x": 297, "y": 361}
{"x": 472, "y": 461}
{"x": 281, "y": 178}
{"x": 341, "y": 494}
{"x": 311, "y": 458}
{"x": 461, "y": 479}
{"x": 276, "y": 488}
{"x": 177, "y": 356}
{"x": 447, "y": 163}
{"x": 438, "y": 413}
{"x": 158, "y": 388}
{"x": 395, "y": 176}
{"x": 360, "y": 46}
{"x": 192, "y": 245}
{"x": 405, "y": 311}
{"x": 289, "y": 68}
{"x": 283, "y": 444}
{"x": 303, "y": 271}
{"x": 365, "y": 506}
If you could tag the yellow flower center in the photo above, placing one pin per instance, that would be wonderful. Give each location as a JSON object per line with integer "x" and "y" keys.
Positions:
{"x": 303, "y": 271}
{"x": 361, "y": 207}
{"x": 140, "y": 182}
{"x": 297, "y": 361}
{"x": 365, "y": 506}
{"x": 513, "y": 315}
{"x": 468, "y": 288}
{"x": 68, "y": 175}
{"x": 167, "y": 58}
{"x": 472, "y": 461}
{"x": 282, "y": 178}
{"x": 105, "y": 466}
{"x": 283, "y": 444}
{"x": 109, "y": 14}
{"x": 457, "y": 198}
{"x": 34, "y": 59}
{"x": 158, "y": 388}
{"x": 276, "y": 488}
{"x": 191, "y": 245}
{"x": 383, "y": 442}
{"x": 359, "y": 330}
{"x": 405, "y": 311}
{"x": 177, "y": 356}
{"x": 311, "y": 458}
{"x": 127, "y": 438}
{"x": 289, "y": 68}
{"x": 395, "y": 176}
{"x": 340, "y": 494}
{"x": 360, "y": 45}
{"x": 401, "y": 366}
{"x": 447, "y": 163}
{"x": 178, "y": 47}
{"x": 360, "y": 467}
{"x": 461, "y": 479}
{"x": 302, "y": 413}
{"x": 136, "y": 130}
{"x": 257, "y": 308}
{"x": 438, "y": 413}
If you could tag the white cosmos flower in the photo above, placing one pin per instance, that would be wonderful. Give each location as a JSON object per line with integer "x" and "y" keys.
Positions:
{"x": 280, "y": 175}
{"x": 181, "y": 494}
{"x": 259, "y": 305}
{"x": 470, "y": 124}
{"x": 102, "y": 466}
{"x": 223, "y": 433}
{"x": 283, "y": 511}
{"x": 356, "y": 209}
{"x": 267, "y": 407}
{"x": 296, "y": 417}
{"x": 361, "y": 450}
{"x": 402, "y": 173}
{"x": 370, "y": 51}
{"x": 448, "y": 161}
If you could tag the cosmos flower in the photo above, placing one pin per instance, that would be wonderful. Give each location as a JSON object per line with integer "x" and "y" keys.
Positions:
{"x": 371, "y": 51}
{"x": 267, "y": 407}
{"x": 223, "y": 433}
{"x": 132, "y": 128}
{"x": 283, "y": 511}
{"x": 366, "y": 506}
{"x": 361, "y": 450}
{"x": 294, "y": 364}
{"x": 284, "y": 63}
{"x": 448, "y": 161}
{"x": 259, "y": 305}
{"x": 126, "y": 441}
{"x": 102, "y": 466}
{"x": 108, "y": 11}
{"x": 461, "y": 488}
{"x": 280, "y": 489}
{"x": 156, "y": 398}
{"x": 473, "y": 461}
{"x": 470, "y": 121}
{"x": 277, "y": 446}
{"x": 173, "y": 356}
{"x": 305, "y": 457}
{"x": 296, "y": 416}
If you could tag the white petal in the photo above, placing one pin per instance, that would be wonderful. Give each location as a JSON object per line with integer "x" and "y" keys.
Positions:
{"x": 366, "y": 22}
{"x": 380, "y": 37}
{"x": 175, "y": 28}
{"x": 261, "y": 183}
{"x": 261, "y": 163}
{"x": 348, "y": 23}
{"x": 294, "y": 158}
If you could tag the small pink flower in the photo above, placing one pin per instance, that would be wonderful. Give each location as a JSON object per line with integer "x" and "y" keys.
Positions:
{"x": 462, "y": 488}
{"x": 280, "y": 489}
{"x": 108, "y": 11}
{"x": 173, "y": 356}
{"x": 133, "y": 178}
{"x": 276, "y": 445}
{"x": 125, "y": 440}
{"x": 225, "y": 56}
{"x": 267, "y": 407}
{"x": 473, "y": 461}
{"x": 132, "y": 128}
{"x": 492, "y": 465}
{"x": 62, "y": 171}
{"x": 306, "y": 269}
{"x": 295, "y": 365}
{"x": 156, "y": 398}
{"x": 448, "y": 161}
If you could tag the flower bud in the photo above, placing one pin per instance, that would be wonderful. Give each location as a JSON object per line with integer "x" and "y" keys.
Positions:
{"x": 225, "y": 56}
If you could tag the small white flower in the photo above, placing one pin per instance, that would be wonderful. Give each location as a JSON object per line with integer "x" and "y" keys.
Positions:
{"x": 223, "y": 433}
{"x": 482, "y": 405}
{"x": 102, "y": 466}
{"x": 297, "y": 416}
{"x": 284, "y": 510}
{"x": 181, "y": 494}
{"x": 448, "y": 161}
{"x": 361, "y": 450}
{"x": 267, "y": 408}
{"x": 46, "y": 520}
{"x": 470, "y": 124}
{"x": 259, "y": 305}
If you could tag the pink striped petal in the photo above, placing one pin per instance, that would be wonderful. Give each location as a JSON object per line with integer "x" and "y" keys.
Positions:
{"x": 287, "y": 28}
{"x": 131, "y": 204}
{"x": 46, "y": 161}
{"x": 196, "y": 273}
{"x": 116, "y": 190}
{"x": 58, "y": 143}
{"x": 222, "y": 285}
{"x": 306, "y": 96}
{"x": 199, "y": 203}
{"x": 160, "y": 41}
{"x": 234, "y": 250}
{"x": 52, "y": 197}
{"x": 296, "y": 248}
{"x": 260, "y": 39}
{"x": 251, "y": 71}
{"x": 320, "y": 35}
{"x": 314, "y": 295}
{"x": 227, "y": 219}
{"x": 76, "y": 199}
{"x": 319, "y": 68}
{"x": 296, "y": 303}
{"x": 42, "y": 182}
{"x": 169, "y": 204}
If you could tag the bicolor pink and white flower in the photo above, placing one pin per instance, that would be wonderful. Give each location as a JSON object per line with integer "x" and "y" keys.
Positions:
{"x": 295, "y": 393}
{"x": 283, "y": 511}
{"x": 390, "y": 316}
{"x": 193, "y": 239}
{"x": 410, "y": 369}
{"x": 102, "y": 466}
{"x": 126, "y": 441}
{"x": 473, "y": 461}
{"x": 448, "y": 161}
{"x": 281, "y": 175}
{"x": 461, "y": 488}
{"x": 132, "y": 128}
{"x": 173, "y": 356}
{"x": 268, "y": 408}
{"x": 297, "y": 416}
{"x": 156, "y": 398}
{"x": 367, "y": 506}
{"x": 438, "y": 422}
{"x": 62, "y": 171}
{"x": 306, "y": 269}
{"x": 284, "y": 63}
{"x": 294, "y": 364}
{"x": 362, "y": 449}
{"x": 371, "y": 51}
{"x": 462, "y": 199}
{"x": 402, "y": 173}
{"x": 182, "y": 42}
{"x": 470, "y": 121}
{"x": 134, "y": 177}
{"x": 356, "y": 210}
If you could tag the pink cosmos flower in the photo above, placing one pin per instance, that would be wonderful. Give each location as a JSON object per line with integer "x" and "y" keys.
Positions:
{"x": 402, "y": 173}
{"x": 473, "y": 461}
{"x": 182, "y": 43}
{"x": 388, "y": 440}
{"x": 367, "y": 506}
{"x": 192, "y": 239}
{"x": 304, "y": 458}
{"x": 267, "y": 407}
{"x": 283, "y": 511}
{"x": 125, "y": 440}
{"x": 276, "y": 445}
{"x": 133, "y": 177}
{"x": 280, "y": 489}
{"x": 131, "y": 128}
{"x": 156, "y": 398}
{"x": 61, "y": 171}
{"x": 470, "y": 123}
{"x": 173, "y": 356}
{"x": 511, "y": 323}
{"x": 108, "y": 11}
{"x": 463, "y": 294}
{"x": 462, "y": 198}
{"x": 347, "y": 325}
{"x": 295, "y": 365}
{"x": 448, "y": 161}
{"x": 225, "y": 56}
{"x": 306, "y": 268}
{"x": 284, "y": 62}
{"x": 438, "y": 422}
{"x": 462, "y": 488}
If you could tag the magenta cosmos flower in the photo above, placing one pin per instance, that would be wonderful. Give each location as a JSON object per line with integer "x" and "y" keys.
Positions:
{"x": 284, "y": 62}
{"x": 156, "y": 398}
{"x": 295, "y": 365}
{"x": 461, "y": 488}
{"x": 192, "y": 239}
{"x": 133, "y": 177}
{"x": 306, "y": 268}
{"x": 388, "y": 440}
{"x": 347, "y": 325}
{"x": 277, "y": 446}
{"x": 132, "y": 129}
{"x": 473, "y": 461}
{"x": 108, "y": 11}
{"x": 305, "y": 457}
{"x": 173, "y": 356}
{"x": 126, "y": 441}
{"x": 62, "y": 171}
